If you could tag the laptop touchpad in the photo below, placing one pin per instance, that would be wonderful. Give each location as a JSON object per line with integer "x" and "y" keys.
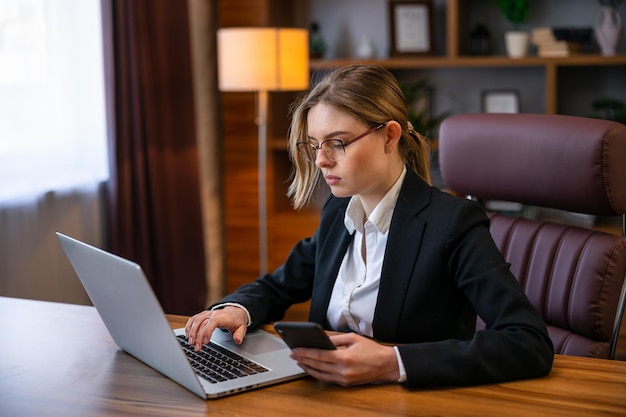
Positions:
{"x": 256, "y": 344}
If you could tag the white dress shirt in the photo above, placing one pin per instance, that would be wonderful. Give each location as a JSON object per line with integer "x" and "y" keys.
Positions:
{"x": 354, "y": 295}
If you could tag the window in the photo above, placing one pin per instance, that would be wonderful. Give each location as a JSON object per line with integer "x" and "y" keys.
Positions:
{"x": 52, "y": 108}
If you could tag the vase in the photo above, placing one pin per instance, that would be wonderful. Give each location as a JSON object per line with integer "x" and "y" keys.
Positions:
{"x": 365, "y": 49}
{"x": 609, "y": 26}
{"x": 516, "y": 43}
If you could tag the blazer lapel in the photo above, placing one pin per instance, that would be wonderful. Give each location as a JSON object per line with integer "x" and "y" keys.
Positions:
{"x": 331, "y": 254}
{"x": 399, "y": 264}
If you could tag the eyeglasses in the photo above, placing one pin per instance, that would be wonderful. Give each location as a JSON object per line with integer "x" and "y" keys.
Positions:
{"x": 334, "y": 149}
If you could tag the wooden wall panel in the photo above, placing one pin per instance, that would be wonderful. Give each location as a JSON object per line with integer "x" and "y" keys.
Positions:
{"x": 240, "y": 150}
{"x": 240, "y": 163}
{"x": 244, "y": 13}
{"x": 239, "y": 159}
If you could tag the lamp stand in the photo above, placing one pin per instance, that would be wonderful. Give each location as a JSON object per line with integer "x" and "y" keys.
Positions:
{"x": 262, "y": 104}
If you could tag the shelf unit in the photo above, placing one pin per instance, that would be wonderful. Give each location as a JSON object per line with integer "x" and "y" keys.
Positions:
{"x": 549, "y": 65}
{"x": 453, "y": 55}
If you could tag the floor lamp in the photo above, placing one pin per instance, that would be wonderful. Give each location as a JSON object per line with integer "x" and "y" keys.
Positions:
{"x": 261, "y": 60}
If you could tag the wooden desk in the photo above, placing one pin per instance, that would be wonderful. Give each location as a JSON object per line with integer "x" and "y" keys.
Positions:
{"x": 64, "y": 363}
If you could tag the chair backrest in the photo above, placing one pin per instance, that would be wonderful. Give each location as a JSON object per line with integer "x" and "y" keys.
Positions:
{"x": 573, "y": 275}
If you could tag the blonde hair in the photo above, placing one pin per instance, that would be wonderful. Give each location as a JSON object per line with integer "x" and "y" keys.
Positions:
{"x": 370, "y": 94}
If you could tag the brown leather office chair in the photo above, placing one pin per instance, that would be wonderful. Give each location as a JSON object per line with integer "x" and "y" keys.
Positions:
{"x": 573, "y": 275}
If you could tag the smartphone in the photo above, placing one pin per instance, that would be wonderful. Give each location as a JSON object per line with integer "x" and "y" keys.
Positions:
{"x": 303, "y": 334}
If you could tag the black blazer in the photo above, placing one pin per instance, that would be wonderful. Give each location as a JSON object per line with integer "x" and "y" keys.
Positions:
{"x": 441, "y": 269}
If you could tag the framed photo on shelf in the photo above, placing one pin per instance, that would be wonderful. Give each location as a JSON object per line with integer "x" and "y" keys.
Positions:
{"x": 411, "y": 25}
{"x": 500, "y": 101}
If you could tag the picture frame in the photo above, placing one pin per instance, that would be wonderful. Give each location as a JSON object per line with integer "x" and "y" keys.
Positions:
{"x": 500, "y": 101}
{"x": 411, "y": 28}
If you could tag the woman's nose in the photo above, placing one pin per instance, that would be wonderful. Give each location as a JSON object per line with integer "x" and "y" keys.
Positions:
{"x": 322, "y": 159}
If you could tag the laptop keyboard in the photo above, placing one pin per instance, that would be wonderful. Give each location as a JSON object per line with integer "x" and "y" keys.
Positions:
{"x": 216, "y": 364}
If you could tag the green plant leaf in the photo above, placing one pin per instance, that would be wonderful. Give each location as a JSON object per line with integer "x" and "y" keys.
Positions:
{"x": 420, "y": 118}
{"x": 515, "y": 11}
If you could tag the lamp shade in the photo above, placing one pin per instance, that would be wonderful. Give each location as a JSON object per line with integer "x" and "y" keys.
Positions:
{"x": 263, "y": 59}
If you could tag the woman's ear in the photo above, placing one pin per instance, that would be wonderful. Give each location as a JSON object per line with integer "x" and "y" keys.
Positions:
{"x": 394, "y": 131}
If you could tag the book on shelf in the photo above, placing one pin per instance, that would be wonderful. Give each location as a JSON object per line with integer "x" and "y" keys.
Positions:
{"x": 559, "y": 48}
{"x": 549, "y": 46}
{"x": 540, "y": 36}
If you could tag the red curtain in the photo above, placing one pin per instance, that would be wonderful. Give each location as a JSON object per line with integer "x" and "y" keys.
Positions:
{"x": 155, "y": 209}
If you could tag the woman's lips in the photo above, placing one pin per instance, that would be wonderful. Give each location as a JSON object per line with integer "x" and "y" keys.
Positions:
{"x": 331, "y": 179}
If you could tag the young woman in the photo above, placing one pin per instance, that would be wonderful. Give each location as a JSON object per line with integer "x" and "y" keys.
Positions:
{"x": 398, "y": 265}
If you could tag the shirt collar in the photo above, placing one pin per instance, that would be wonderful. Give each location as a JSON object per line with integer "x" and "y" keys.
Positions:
{"x": 382, "y": 213}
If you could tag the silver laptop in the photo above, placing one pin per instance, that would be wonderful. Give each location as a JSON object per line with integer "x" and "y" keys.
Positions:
{"x": 126, "y": 303}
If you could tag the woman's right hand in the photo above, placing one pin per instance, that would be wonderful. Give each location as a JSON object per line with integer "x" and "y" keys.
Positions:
{"x": 200, "y": 327}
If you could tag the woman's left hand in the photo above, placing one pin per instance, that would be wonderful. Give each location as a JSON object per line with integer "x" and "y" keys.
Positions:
{"x": 357, "y": 360}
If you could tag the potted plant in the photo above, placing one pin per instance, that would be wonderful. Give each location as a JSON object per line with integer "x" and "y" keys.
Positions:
{"x": 417, "y": 95}
{"x": 516, "y": 12}
{"x": 609, "y": 108}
